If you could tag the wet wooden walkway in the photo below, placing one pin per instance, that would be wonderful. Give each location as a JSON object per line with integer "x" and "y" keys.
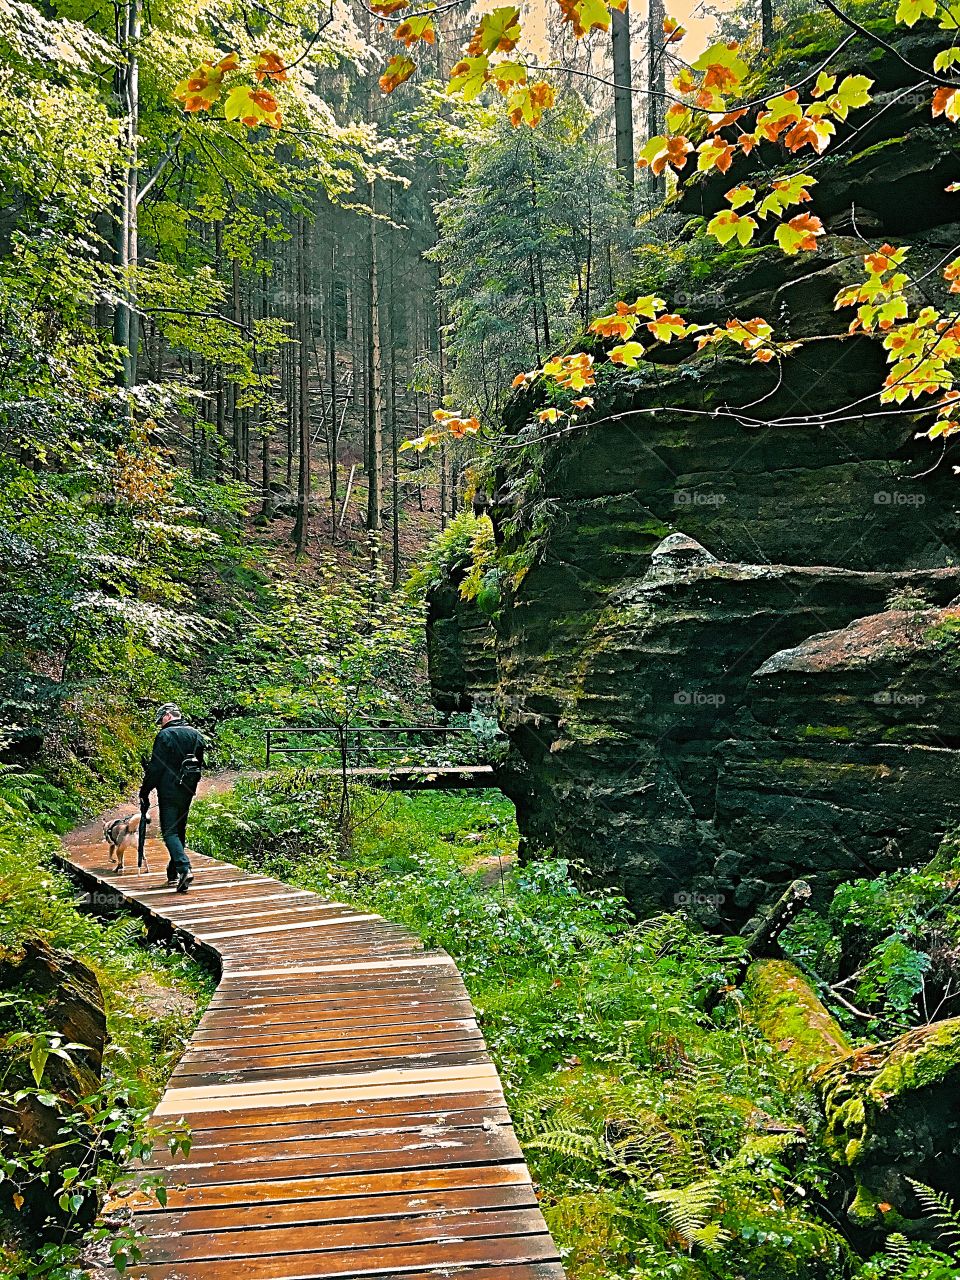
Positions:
{"x": 346, "y": 1118}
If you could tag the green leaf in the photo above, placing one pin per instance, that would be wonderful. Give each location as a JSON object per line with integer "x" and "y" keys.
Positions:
{"x": 740, "y": 196}
{"x": 727, "y": 225}
{"x": 854, "y": 91}
{"x": 627, "y": 353}
{"x": 911, "y": 11}
{"x": 498, "y": 31}
{"x": 469, "y": 76}
{"x": 38, "y": 1058}
{"x": 592, "y": 13}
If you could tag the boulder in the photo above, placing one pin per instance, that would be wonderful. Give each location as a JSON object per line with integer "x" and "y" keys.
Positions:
{"x": 66, "y": 998}
{"x": 723, "y": 667}
{"x": 892, "y": 1119}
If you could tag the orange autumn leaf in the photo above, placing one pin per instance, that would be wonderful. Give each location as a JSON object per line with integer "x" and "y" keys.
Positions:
{"x": 809, "y": 133}
{"x": 616, "y": 326}
{"x": 715, "y": 153}
{"x": 946, "y": 102}
{"x": 419, "y": 27}
{"x": 800, "y": 233}
{"x": 674, "y": 154}
{"x": 685, "y": 81}
{"x": 720, "y": 78}
{"x": 398, "y": 69}
{"x": 270, "y": 66}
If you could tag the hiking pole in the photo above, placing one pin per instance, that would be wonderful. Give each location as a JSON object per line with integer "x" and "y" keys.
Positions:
{"x": 142, "y": 835}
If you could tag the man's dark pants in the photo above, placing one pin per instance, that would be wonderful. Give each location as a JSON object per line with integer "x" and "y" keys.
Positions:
{"x": 174, "y": 807}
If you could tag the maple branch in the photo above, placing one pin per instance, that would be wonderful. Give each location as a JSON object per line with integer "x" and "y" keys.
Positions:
{"x": 199, "y": 315}
{"x": 930, "y": 76}
{"x": 669, "y": 97}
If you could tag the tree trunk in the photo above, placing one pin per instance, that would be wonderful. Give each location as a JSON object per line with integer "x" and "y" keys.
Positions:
{"x": 126, "y": 325}
{"x": 766, "y": 23}
{"x": 375, "y": 417}
{"x": 332, "y": 374}
{"x": 235, "y": 416}
{"x": 301, "y": 529}
{"x": 623, "y": 94}
{"x": 656, "y": 82}
{"x": 266, "y": 494}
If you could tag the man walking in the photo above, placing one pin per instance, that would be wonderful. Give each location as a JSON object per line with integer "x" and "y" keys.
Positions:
{"x": 174, "y": 771}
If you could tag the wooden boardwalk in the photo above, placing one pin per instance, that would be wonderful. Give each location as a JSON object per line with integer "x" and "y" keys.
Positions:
{"x": 346, "y": 1118}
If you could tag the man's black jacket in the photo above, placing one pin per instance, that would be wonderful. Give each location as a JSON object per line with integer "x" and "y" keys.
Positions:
{"x": 171, "y": 747}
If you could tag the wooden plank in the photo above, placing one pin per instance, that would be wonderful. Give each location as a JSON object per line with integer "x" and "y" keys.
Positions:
{"x": 382, "y": 1260}
{"x": 285, "y": 1241}
{"x": 373, "y": 1185}
{"x": 337, "y": 1087}
{"x": 451, "y": 1146}
{"x": 353, "y": 1031}
{"x": 296, "y": 927}
{"x": 322, "y": 1038}
{"x": 347, "y": 1209}
{"x": 304, "y": 1126}
{"x": 347, "y": 1121}
{"x": 232, "y": 970}
{"x": 476, "y": 1148}
{"x": 339, "y": 1113}
{"x": 313, "y": 1066}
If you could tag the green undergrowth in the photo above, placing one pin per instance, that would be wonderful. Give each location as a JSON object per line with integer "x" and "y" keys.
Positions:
{"x": 667, "y": 1137}
{"x": 153, "y": 999}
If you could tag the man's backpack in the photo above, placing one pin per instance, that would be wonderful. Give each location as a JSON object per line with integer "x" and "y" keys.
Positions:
{"x": 190, "y": 774}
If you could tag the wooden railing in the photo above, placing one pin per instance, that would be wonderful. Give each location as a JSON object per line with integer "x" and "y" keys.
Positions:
{"x": 356, "y": 745}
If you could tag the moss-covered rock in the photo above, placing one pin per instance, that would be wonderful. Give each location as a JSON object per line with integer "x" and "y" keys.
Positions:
{"x": 893, "y": 1114}
{"x": 63, "y": 996}
{"x": 663, "y": 725}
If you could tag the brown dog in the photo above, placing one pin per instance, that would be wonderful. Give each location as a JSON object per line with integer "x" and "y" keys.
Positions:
{"x": 122, "y": 834}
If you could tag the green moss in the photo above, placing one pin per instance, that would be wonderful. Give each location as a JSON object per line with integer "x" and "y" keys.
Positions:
{"x": 861, "y": 1092}
{"x": 830, "y": 731}
{"x": 921, "y": 1058}
{"x": 864, "y": 1210}
{"x": 945, "y": 636}
{"x": 791, "y": 1016}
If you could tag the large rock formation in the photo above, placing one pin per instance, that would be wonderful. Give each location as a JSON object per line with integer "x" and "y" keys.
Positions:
{"x": 64, "y": 997}
{"x": 728, "y": 662}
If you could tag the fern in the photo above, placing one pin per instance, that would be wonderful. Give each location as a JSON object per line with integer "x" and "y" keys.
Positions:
{"x": 689, "y": 1210}
{"x": 901, "y": 1254}
{"x": 574, "y": 1144}
{"x": 940, "y": 1208}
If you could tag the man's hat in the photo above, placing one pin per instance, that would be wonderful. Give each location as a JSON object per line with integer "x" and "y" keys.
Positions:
{"x": 168, "y": 709}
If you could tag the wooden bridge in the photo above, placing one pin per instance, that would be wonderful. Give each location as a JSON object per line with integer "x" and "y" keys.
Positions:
{"x": 346, "y": 1118}
{"x": 380, "y": 755}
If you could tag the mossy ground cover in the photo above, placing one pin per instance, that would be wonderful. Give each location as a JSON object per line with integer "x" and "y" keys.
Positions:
{"x": 668, "y": 1137}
